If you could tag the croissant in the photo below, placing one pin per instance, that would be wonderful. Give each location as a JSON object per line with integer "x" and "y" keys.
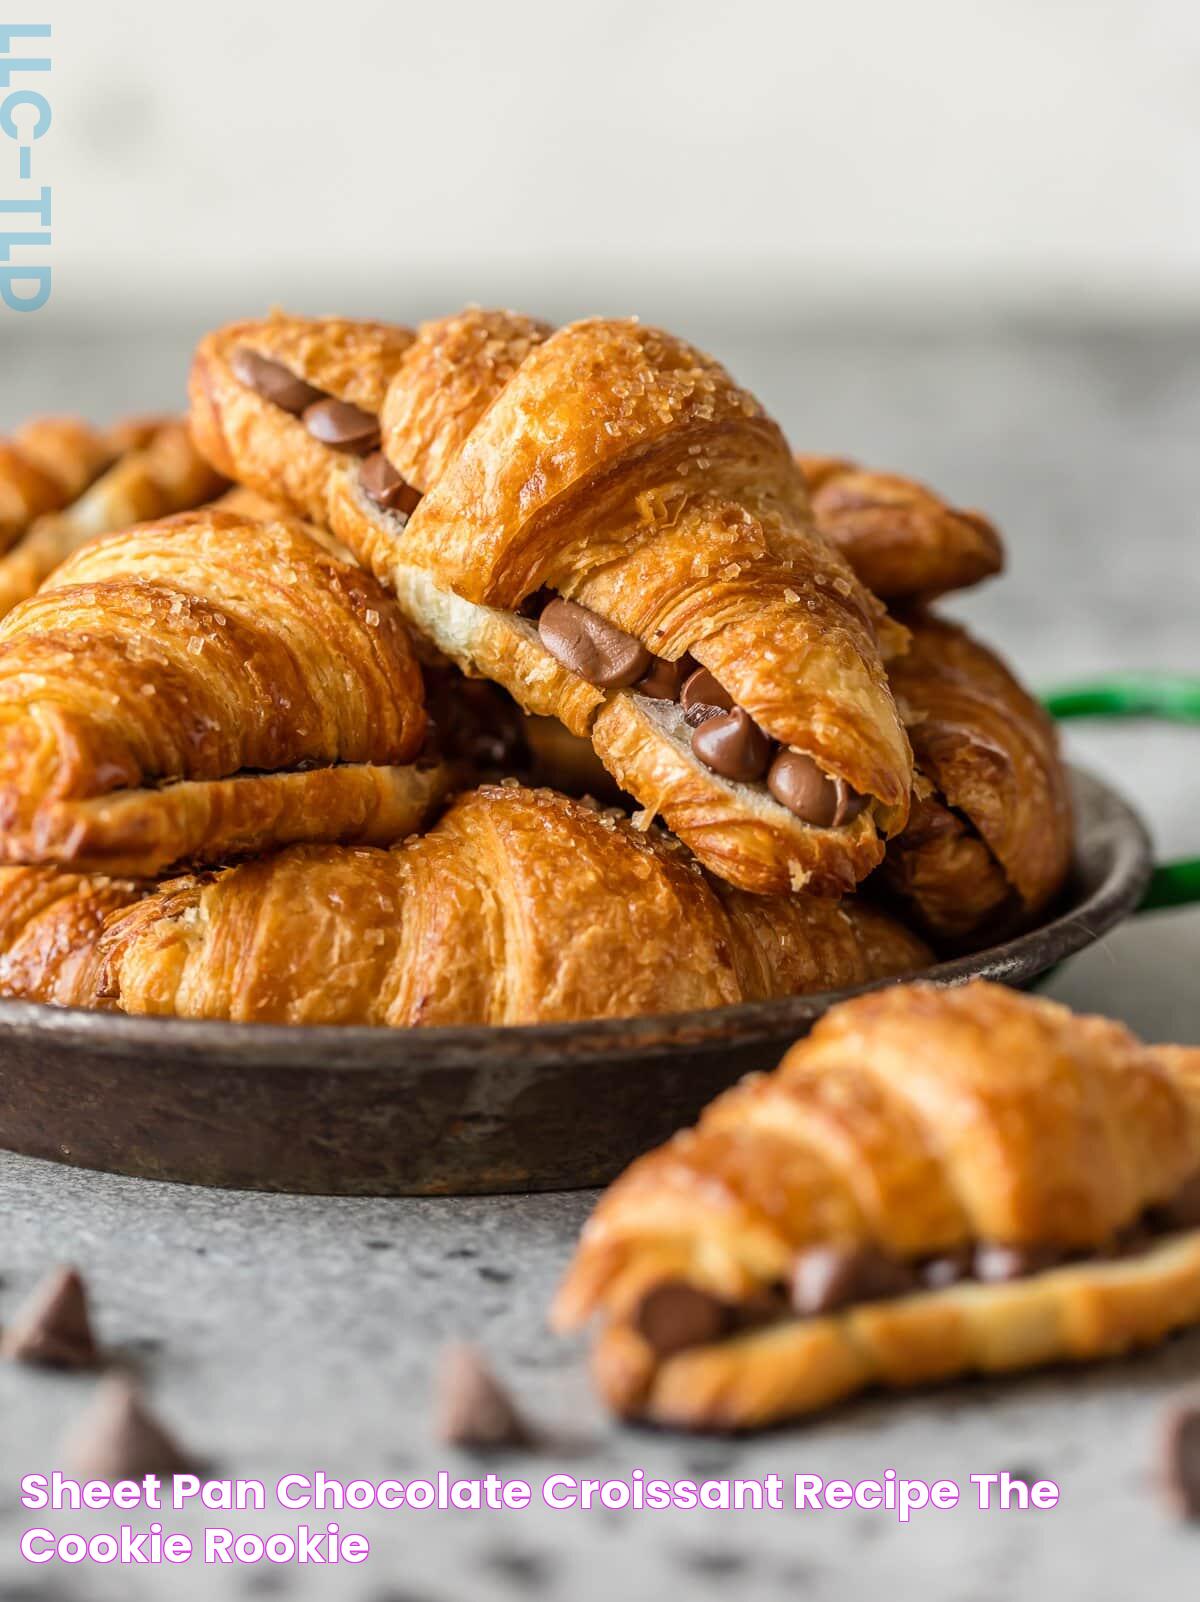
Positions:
{"x": 50, "y": 928}
{"x": 520, "y": 906}
{"x": 904, "y": 542}
{"x": 936, "y": 1182}
{"x": 988, "y": 842}
{"x": 157, "y": 471}
{"x": 599, "y": 520}
{"x": 44, "y": 466}
{"x": 204, "y": 686}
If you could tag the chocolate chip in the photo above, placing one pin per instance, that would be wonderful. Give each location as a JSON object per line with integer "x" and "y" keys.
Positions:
{"x": 702, "y": 690}
{"x": 676, "y": 1315}
{"x": 938, "y": 1273}
{"x": 118, "y": 1438}
{"x": 473, "y": 1409}
{"x": 664, "y": 681}
{"x": 53, "y": 1329}
{"x": 273, "y": 381}
{"x": 798, "y": 784}
{"x": 345, "y": 427}
{"x": 995, "y": 1264}
{"x": 850, "y": 804}
{"x": 700, "y": 712}
{"x": 825, "y": 1278}
{"x": 380, "y": 482}
{"x": 733, "y": 745}
{"x": 589, "y": 645}
{"x": 1182, "y": 1457}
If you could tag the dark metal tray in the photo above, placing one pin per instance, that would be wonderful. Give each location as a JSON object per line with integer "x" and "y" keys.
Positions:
{"x": 450, "y": 1111}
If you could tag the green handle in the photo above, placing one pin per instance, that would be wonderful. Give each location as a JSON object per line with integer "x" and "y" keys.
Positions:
{"x": 1142, "y": 695}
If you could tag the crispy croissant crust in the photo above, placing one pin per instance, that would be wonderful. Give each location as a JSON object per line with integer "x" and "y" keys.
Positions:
{"x": 45, "y": 465}
{"x": 904, "y": 541}
{"x": 619, "y": 467}
{"x": 519, "y": 906}
{"x": 157, "y": 471}
{"x": 154, "y": 690}
{"x": 50, "y": 927}
{"x": 988, "y": 848}
{"x": 916, "y": 1120}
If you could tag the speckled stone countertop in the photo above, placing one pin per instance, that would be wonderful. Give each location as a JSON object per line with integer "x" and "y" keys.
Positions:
{"x": 281, "y": 1334}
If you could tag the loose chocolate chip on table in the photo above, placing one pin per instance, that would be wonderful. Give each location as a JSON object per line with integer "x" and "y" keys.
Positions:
{"x": 473, "y": 1409}
{"x": 345, "y": 427}
{"x": 702, "y": 690}
{"x": 1182, "y": 1456}
{"x": 733, "y": 745}
{"x": 589, "y": 645}
{"x": 53, "y": 1329}
{"x": 825, "y": 1278}
{"x": 381, "y": 483}
{"x": 665, "y": 679}
{"x": 995, "y": 1263}
{"x": 675, "y": 1315}
{"x": 118, "y": 1438}
{"x": 273, "y": 381}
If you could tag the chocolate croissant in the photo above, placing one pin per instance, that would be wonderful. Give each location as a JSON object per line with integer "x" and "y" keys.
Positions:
{"x": 904, "y": 541}
{"x": 157, "y": 471}
{"x": 520, "y": 906}
{"x": 936, "y": 1182}
{"x": 988, "y": 842}
{"x": 206, "y": 686}
{"x": 598, "y": 519}
{"x": 44, "y": 466}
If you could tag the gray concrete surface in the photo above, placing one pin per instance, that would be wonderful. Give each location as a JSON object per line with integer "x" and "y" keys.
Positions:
{"x": 282, "y": 1334}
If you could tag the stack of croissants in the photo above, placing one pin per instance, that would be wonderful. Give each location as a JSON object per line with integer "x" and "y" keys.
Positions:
{"x": 492, "y": 673}
{"x": 499, "y": 674}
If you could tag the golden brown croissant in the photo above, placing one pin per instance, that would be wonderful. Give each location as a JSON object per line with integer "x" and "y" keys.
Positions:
{"x": 50, "y": 927}
{"x": 157, "y": 471}
{"x": 204, "y": 686}
{"x": 601, "y": 521}
{"x": 44, "y": 466}
{"x": 519, "y": 906}
{"x": 936, "y": 1182}
{"x": 988, "y": 843}
{"x": 904, "y": 542}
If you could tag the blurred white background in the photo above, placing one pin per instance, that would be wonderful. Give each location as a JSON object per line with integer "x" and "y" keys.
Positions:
{"x": 742, "y": 157}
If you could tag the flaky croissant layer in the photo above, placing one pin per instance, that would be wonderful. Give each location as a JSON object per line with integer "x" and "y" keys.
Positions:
{"x": 935, "y": 1181}
{"x": 202, "y": 687}
{"x": 906, "y": 543}
{"x": 155, "y": 471}
{"x": 520, "y": 906}
{"x": 988, "y": 843}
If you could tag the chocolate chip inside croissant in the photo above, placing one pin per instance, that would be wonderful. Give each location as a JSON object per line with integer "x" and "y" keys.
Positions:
{"x": 828, "y": 1278}
{"x": 725, "y": 739}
